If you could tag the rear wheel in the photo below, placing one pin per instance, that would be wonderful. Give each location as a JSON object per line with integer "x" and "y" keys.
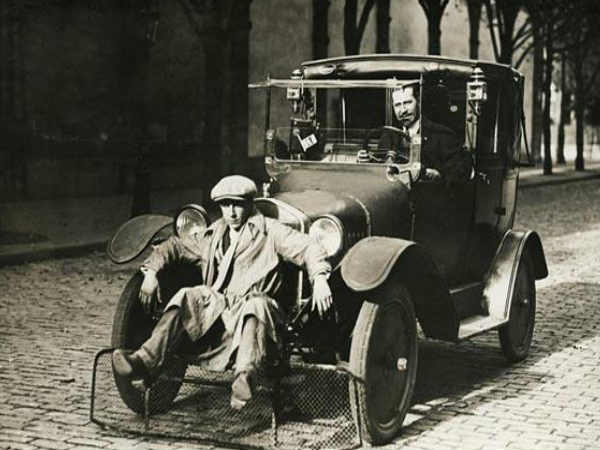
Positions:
{"x": 131, "y": 327}
{"x": 517, "y": 334}
{"x": 383, "y": 355}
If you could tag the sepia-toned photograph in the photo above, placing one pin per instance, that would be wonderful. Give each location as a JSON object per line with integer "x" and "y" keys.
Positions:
{"x": 299, "y": 224}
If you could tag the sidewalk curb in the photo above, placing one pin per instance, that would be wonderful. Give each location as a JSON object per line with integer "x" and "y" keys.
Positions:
{"x": 73, "y": 250}
{"x": 552, "y": 180}
{"x": 40, "y": 254}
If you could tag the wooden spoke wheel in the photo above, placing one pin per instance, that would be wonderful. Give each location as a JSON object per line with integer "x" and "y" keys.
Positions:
{"x": 131, "y": 327}
{"x": 383, "y": 355}
{"x": 516, "y": 335}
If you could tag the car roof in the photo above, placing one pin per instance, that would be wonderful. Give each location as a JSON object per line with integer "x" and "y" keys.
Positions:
{"x": 385, "y": 65}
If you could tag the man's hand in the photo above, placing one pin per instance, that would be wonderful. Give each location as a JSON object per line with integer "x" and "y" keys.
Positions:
{"x": 321, "y": 298}
{"x": 432, "y": 174}
{"x": 149, "y": 291}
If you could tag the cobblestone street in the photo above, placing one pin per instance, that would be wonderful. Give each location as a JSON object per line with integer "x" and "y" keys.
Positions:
{"x": 55, "y": 315}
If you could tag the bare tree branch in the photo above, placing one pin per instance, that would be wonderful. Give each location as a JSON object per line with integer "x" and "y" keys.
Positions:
{"x": 364, "y": 18}
{"x": 490, "y": 17}
{"x": 524, "y": 32}
{"x": 593, "y": 77}
{"x": 524, "y": 55}
{"x": 189, "y": 15}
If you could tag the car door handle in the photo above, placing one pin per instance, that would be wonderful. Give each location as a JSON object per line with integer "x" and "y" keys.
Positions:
{"x": 483, "y": 177}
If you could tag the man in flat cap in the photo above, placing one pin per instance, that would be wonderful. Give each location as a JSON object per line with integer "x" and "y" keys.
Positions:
{"x": 234, "y": 315}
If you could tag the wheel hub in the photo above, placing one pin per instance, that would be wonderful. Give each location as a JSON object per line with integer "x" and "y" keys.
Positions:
{"x": 401, "y": 364}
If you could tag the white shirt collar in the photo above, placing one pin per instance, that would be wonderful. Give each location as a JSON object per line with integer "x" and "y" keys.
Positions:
{"x": 415, "y": 128}
{"x": 234, "y": 234}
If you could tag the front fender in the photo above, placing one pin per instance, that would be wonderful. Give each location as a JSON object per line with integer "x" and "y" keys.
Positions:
{"x": 378, "y": 262}
{"x": 500, "y": 279}
{"x": 134, "y": 236}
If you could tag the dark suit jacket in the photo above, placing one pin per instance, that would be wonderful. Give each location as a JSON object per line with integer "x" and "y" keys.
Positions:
{"x": 441, "y": 150}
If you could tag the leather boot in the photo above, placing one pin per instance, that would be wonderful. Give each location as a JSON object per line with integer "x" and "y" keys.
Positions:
{"x": 246, "y": 363}
{"x": 129, "y": 365}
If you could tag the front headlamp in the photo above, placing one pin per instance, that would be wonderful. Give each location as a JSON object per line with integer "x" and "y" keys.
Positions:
{"x": 190, "y": 222}
{"x": 328, "y": 230}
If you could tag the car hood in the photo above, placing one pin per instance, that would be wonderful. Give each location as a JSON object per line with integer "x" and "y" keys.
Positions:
{"x": 367, "y": 204}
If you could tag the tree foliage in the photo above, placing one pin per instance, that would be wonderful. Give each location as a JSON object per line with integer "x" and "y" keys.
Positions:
{"x": 582, "y": 52}
{"x": 507, "y": 36}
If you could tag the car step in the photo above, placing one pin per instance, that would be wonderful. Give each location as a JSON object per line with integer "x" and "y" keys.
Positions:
{"x": 474, "y": 325}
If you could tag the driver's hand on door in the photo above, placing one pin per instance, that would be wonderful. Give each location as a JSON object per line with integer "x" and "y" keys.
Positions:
{"x": 432, "y": 174}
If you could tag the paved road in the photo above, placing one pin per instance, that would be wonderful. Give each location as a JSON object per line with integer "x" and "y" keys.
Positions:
{"x": 54, "y": 315}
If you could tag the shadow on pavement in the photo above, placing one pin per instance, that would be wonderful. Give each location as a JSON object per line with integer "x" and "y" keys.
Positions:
{"x": 454, "y": 380}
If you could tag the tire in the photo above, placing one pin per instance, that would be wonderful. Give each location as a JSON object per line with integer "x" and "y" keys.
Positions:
{"x": 383, "y": 354}
{"x": 131, "y": 327}
{"x": 516, "y": 335}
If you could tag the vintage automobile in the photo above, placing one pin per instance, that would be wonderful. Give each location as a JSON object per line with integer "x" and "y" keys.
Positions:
{"x": 407, "y": 248}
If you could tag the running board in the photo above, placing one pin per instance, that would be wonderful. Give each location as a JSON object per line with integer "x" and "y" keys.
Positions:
{"x": 474, "y": 325}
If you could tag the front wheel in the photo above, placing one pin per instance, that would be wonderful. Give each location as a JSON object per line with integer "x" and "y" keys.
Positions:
{"x": 383, "y": 355}
{"x": 517, "y": 334}
{"x": 131, "y": 327}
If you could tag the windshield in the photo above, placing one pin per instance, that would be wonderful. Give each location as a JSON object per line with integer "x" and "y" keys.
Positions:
{"x": 305, "y": 142}
{"x": 359, "y": 121}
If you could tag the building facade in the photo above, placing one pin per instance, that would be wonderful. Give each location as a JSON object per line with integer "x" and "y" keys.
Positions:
{"x": 141, "y": 98}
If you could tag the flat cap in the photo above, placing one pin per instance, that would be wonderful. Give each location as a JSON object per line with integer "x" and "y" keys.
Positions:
{"x": 234, "y": 187}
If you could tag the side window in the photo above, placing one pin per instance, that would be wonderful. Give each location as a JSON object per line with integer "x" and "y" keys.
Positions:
{"x": 445, "y": 104}
{"x": 509, "y": 136}
{"x": 487, "y": 121}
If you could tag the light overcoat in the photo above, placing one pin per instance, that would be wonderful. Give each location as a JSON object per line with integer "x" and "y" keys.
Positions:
{"x": 245, "y": 280}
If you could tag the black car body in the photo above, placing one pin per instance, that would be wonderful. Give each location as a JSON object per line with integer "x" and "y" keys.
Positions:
{"x": 405, "y": 248}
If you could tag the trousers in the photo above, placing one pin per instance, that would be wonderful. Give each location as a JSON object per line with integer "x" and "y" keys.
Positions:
{"x": 169, "y": 335}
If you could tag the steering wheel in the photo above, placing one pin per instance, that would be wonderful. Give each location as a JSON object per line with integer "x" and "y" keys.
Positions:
{"x": 393, "y": 146}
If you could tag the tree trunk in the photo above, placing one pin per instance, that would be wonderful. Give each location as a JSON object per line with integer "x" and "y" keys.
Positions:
{"x": 434, "y": 32}
{"x": 320, "y": 50}
{"x": 510, "y": 12}
{"x": 353, "y": 32}
{"x": 564, "y": 104}
{"x": 213, "y": 46}
{"x": 13, "y": 107}
{"x": 474, "y": 10}
{"x": 320, "y": 31}
{"x": 383, "y": 27}
{"x": 506, "y": 52}
{"x": 547, "y": 102}
{"x": 351, "y": 44}
{"x": 580, "y": 119}
{"x": 536, "y": 96}
{"x": 140, "y": 197}
{"x": 234, "y": 111}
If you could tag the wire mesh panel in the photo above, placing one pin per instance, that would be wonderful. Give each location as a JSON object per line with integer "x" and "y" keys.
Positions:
{"x": 314, "y": 409}
{"x": 309, "y": 408}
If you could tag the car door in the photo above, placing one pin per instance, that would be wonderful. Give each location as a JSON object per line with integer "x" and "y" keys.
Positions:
{"x": 444, "y": 209}
{"x": 443, "y": 218}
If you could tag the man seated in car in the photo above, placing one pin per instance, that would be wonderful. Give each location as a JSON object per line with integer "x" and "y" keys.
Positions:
{"x": 235, "y": 309}
{"x": 441, "y": 153}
